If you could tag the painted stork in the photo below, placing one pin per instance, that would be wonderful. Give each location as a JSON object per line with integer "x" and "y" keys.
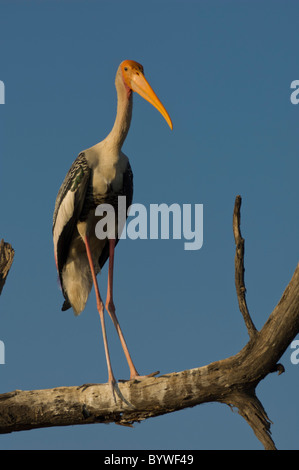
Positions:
{"x": 98, "y": 175}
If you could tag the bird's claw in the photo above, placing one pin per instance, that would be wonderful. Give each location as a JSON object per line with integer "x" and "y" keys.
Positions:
{"x": 141, "y": 377}
{"x": 85, "y": 386}
{"x": 115, "y": 389}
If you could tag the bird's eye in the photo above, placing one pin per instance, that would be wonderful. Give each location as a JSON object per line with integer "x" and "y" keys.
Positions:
{"x": 125, "y": 68}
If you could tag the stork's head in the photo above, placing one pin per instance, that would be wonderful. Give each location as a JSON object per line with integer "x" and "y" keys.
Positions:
{"x": 134, "y": 79}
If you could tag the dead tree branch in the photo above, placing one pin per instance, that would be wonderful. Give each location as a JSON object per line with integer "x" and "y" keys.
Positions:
{"x": 6, "y": 259}
{"x": 239, "y": 269}
{"x": 232, "y": 381}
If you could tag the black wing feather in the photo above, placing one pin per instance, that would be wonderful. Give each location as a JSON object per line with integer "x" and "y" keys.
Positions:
{"x": 76, "y": 180}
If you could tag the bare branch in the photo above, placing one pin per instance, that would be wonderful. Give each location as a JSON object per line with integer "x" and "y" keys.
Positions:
{"x": 6, "y": 259}
{"x": 231, "y": 381}
{"x": 251, "y": 409}
{"x": 239, "y": 269}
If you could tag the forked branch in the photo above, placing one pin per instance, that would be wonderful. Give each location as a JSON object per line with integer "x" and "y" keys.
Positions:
{"x": 232, "y": 381}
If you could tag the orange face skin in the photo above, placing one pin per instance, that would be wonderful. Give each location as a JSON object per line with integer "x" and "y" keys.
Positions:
{"x": 134, "y": 80}
{"x": 128, "y": 68}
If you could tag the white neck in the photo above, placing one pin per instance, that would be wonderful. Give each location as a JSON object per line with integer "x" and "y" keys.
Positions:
{"x": 122, "y": 122}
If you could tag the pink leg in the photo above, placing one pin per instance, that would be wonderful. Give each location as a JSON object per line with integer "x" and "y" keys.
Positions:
{"x": 111, "y": 310}
{"x": 100, "y": 307}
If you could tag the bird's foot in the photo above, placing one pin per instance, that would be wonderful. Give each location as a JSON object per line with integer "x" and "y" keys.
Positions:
{"x": 85, "y": 386}
{"x": 138, "y": 377}
{"x": 116, "y": 391}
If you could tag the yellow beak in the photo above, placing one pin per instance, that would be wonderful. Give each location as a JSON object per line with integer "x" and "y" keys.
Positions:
{"x": 143, "y": 88}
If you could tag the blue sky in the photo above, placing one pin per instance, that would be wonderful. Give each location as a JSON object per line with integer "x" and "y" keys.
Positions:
{"x": 223, "y": 70}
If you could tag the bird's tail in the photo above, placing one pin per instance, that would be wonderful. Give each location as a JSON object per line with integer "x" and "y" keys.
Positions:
{"x": 66, "y": 305}
{"x": 77, "y": 283}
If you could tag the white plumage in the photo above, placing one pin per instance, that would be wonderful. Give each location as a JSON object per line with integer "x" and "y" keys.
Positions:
{"x": 98, "y": 176}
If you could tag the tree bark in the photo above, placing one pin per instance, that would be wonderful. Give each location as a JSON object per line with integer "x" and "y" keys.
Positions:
{"x": 231, "y": 381}
{"x": 6, "y": 259}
